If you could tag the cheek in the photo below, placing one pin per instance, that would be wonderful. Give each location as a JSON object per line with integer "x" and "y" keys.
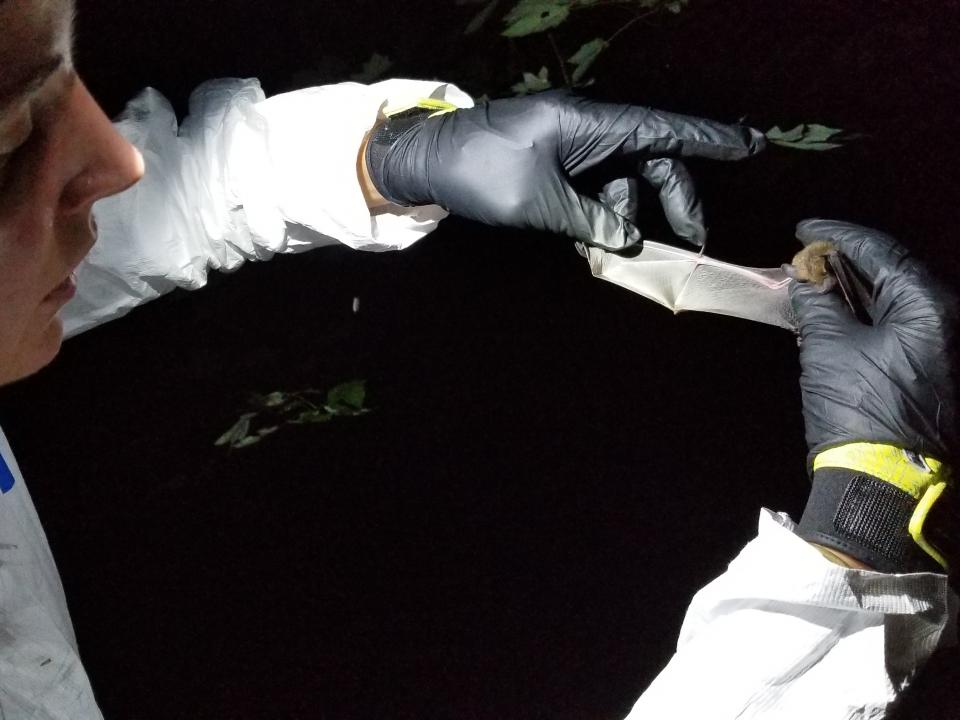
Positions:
{"x": 23, "y": 259}
{"x": 27, "y": 336}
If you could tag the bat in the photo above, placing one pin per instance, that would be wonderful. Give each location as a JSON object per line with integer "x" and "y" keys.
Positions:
{"x": 682, "y": 280}
{"x": 822, "y": 265}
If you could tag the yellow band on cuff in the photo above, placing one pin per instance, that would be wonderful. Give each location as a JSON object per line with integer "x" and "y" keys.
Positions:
{"x": 910, "y": 472}
{"x": 919, "y": 517}
{"x": 439, "y": 106}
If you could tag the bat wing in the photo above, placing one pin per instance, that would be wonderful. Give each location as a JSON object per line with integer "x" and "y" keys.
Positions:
{"x": 684, "y": 280}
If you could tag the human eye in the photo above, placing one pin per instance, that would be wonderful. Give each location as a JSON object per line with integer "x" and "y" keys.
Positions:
{"x": 24, "y": 129}
{"x": 4, "y": 160}
{"x": 19, "y": 133}
{"x": 10, "y": 161}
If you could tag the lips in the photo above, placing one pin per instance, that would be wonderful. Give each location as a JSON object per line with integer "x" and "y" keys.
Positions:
{"x": 63, "y": 292}
{"x": 67, "y": 288}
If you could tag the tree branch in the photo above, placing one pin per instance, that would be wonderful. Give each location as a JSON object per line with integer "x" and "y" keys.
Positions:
{"x": 560, "y": 61}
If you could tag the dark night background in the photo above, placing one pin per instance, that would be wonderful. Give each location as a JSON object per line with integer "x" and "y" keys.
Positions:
{"x": 553, "y": 465}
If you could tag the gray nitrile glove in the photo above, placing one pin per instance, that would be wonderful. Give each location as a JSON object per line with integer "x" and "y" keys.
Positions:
{"x": 891, "y": 382}
{"x": 879, "y": 406}
{"x": 508, "y": 162}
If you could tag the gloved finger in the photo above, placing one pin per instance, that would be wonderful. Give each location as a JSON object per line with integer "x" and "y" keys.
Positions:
{"x": 820, "y": 314}
{"x": 593, "y": 132}
{"x": 621, "y": 196}
{"x": 678, "y": 198}
{"x": 592, "y": 222}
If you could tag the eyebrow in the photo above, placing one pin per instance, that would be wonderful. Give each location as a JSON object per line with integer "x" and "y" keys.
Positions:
{"x": 32, "y": 80}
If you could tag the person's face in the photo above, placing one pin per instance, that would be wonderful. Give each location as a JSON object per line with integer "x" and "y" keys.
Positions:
{"x": 58, "y": 155}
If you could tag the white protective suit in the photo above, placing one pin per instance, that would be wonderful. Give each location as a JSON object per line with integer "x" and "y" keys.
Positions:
{"x": 782, "y": 634}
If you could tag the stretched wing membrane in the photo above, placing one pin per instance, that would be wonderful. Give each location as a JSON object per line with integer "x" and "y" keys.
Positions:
{"x": 684, "y": 280}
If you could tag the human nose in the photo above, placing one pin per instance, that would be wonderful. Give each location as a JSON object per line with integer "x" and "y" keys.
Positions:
{"x": 104, "y": 163}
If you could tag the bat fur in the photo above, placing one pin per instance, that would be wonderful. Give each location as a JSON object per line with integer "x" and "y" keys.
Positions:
{"x": 811, "y": 265}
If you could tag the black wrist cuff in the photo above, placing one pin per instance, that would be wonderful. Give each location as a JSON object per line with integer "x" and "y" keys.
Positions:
{"x": 865, "y": 517}
{"x": 382, "y": 141}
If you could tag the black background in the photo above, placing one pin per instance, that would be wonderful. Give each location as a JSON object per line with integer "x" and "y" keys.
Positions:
{"x": 552, "y": 467}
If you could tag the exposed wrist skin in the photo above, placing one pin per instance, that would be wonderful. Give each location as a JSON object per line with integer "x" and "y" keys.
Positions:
{"x": 841, "y": 558}
{"x": 370, "y": 193}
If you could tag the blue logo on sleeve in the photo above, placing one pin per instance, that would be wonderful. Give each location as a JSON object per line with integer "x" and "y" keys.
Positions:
{"x": 7, "y": 481}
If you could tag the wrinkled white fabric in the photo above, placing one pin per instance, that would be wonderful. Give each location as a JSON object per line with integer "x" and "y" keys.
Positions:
{"x": 41, "y": 676}
{"x": 242, "y": 178}
{"x": 786, "y": 634}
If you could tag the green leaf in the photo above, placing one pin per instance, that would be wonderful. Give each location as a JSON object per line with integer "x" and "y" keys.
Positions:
{"x": 533, "y": 83}
{"x": 585, "y": 56}
{"x": 348, "y": 396}
{"x": 675, "y": 6}
{"x": 373, "y": 69}
{"x": 481, "y": 17}
{"x": 532, "y": 16}
{"x": 237, "y": 431}
{"x": 805, "y": 137}
{"x": 820, "y": 133}
{"x": 775, "y": 134}
{"x": 245, "y": 442}
{"x": 275, "y": 399}
{"x": 311, "y": 416}
{"x": 294, "y": 408}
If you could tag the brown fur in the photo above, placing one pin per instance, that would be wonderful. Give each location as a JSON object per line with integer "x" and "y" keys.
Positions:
{"x": 811, "y": 265}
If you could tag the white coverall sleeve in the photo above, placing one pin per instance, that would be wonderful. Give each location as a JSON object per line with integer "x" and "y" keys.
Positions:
{"x": 786, "y": 634}
{"x": 242, "y": 178}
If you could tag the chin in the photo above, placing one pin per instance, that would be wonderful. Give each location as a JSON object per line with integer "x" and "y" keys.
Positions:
{"x": 36, "y": 353}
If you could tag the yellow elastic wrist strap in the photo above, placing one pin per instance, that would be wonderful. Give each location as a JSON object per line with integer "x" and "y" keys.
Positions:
{"x": 923, "y": 478}
{"x": 438, "y": 106}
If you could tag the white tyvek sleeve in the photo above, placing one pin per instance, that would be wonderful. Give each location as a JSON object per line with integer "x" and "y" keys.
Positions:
{"x": 242, "y": 178}
{"x": 786, "y": 634}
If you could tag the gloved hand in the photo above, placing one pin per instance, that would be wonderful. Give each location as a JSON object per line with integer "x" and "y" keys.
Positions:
{"x": 891, "y": 382}
{"x": 879, "y": 403}
{"x": 508, "y": 162}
